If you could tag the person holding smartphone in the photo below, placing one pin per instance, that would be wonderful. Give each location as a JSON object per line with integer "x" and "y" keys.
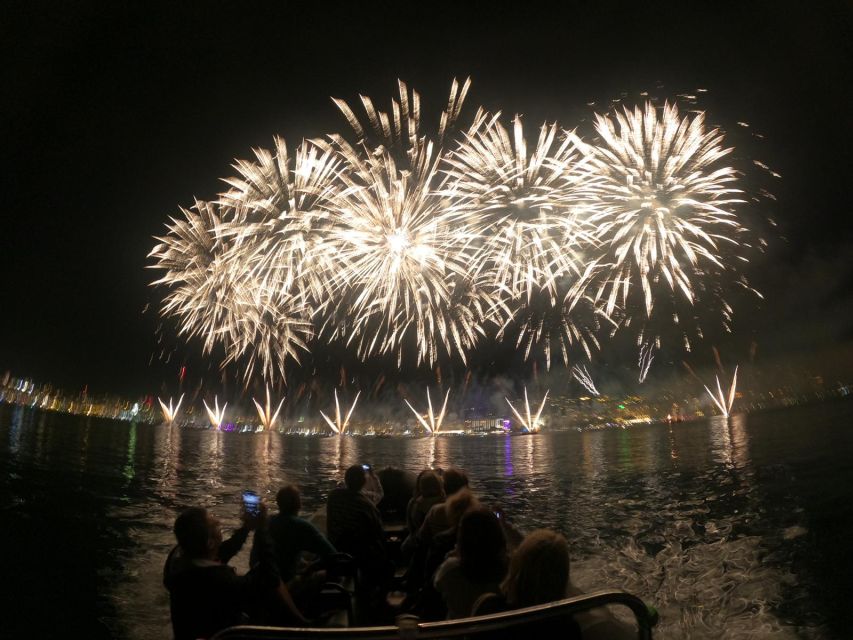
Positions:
{"x": 205, "y": 594}
{"x": 354, "y": 526}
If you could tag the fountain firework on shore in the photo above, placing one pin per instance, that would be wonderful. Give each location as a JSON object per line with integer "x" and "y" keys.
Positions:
{"x": 265, "y": 413}
{"x": 340, "y": 424}
{"x": 724, "y": 402}
{"x": 433, "y": 422}
{"x": 530, "y": 421}
{"x": 170, "y": 412}
{"x": 215, "y": 415}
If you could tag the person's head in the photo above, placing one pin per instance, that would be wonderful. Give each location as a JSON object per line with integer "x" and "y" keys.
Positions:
{"x": 418, "y": 482}
{"x": 288, "y": 500}
{"x": 458, "y": 504}
{"x": 454, "y": 480}
{"x": 538, "y": 570}
{"x": 198, "y": 532}
{"x": 355, "y": 477}
{"x": 430, "y": 486}
{"x": 481, "y": 545}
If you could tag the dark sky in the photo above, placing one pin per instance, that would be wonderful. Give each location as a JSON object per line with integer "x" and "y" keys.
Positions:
{"x": 112, "y": 114}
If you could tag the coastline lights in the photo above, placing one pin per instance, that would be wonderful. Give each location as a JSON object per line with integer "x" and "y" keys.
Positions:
{"x": 267, "y": 416}
{"x": 216, "y": 415}
{"x": 433, "y": 425}
{"x": 724, "y": 404}
{"x": 339, "y": 426}
{"x": 531, "y": 421}
{"x": 170, "y": 412}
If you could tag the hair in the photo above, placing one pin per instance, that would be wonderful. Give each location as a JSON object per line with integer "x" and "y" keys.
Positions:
{"x": 417, "y": 491}
{"x": 192, "y": 531}
{"x": 288, "y": 500}
{"x": 429, "y": 485}
{"x": 538, "y": 570}
{"x": 481, "y": 545}
{"x": 459, "y": 504}
{"x": 454, "y": 480}
{"x": 355, "y": 477}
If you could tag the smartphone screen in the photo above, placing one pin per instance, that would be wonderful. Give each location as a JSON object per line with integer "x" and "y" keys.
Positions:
{"x": 251, "y": 502}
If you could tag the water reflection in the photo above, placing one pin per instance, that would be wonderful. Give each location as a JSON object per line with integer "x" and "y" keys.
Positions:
{"x": 675, "y": 513}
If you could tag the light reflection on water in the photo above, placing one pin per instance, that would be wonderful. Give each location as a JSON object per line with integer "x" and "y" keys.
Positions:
{"x": 710, "y": 522}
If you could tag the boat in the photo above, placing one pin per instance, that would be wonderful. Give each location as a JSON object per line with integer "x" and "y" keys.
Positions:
{"x": 515, "y": 621}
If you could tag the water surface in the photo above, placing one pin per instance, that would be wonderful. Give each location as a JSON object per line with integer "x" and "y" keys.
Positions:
{"x": 733, "y": 528}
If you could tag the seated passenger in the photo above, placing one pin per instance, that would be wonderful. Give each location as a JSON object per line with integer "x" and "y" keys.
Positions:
{"x": 476, "y": 566}
{"x": 205, "y": 594}
{"x": 429, "y": 491}
{"x": 538, "y": 574}
{"x": 292, "y": 535}
{"x": 354, "y": 526}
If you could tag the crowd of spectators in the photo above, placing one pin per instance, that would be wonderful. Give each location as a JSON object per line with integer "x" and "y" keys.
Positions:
{"x": 461, "y": 559}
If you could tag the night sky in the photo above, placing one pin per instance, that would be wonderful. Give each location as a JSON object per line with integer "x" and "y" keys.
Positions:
{"x": 113, "y": 114}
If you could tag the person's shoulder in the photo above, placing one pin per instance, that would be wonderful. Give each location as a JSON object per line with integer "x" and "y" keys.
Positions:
{"x": 448, "y": 570}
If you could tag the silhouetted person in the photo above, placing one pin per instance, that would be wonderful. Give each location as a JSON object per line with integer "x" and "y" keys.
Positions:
{"x": 476, "y": 566}
{"x": 205, "y": 594}
{"x": 355, "y": 527}
{"x": 292, "y": 535}
{"x": 429, "y": 491}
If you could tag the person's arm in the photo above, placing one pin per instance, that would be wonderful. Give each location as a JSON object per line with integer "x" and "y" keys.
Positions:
{"x": 315, "y": 542}
{"x": 231, "y": 547}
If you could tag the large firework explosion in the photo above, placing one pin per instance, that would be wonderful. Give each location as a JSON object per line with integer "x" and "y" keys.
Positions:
{"x": 414, "y": 245}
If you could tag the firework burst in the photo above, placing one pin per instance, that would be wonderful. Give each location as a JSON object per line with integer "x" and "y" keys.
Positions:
{"x": 664, "y": 209}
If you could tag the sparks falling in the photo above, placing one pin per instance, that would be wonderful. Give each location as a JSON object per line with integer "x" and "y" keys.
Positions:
{"x": 432, "y": 423}
{"x": 529, "y": 421}
{"x": 582, "y": 375}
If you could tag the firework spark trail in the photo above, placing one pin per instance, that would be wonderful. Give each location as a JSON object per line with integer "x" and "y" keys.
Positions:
{"x": 169, "y": 412}
{"x": 646, "y": 357}
{"x": 339, "y": 426}
{"x": 665, "y": 206}
{"x": 215, "y": 415}
{"x": 267, "y": 416}
{"x": 724, "y": 403}
{"x": 582, "y": 375}
{"x": 529, "y": 421}
{"x": 433, "y": 424}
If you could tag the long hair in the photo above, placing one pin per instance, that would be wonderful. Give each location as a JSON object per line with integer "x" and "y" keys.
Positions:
{"x": 482, "y": 546}
{"x": 538, "y": 570}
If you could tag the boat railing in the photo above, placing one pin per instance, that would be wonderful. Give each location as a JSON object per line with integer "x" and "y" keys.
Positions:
{"x": 409, "y": 627}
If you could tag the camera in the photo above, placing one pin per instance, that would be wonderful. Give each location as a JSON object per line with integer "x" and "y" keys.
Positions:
{"x": 251, "y": 503}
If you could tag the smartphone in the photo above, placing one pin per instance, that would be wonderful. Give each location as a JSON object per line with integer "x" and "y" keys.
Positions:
{"x": 251, "y": 502}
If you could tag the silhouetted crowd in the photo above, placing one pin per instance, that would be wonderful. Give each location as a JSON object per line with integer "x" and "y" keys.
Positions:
{"x": 428, "y": 548}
